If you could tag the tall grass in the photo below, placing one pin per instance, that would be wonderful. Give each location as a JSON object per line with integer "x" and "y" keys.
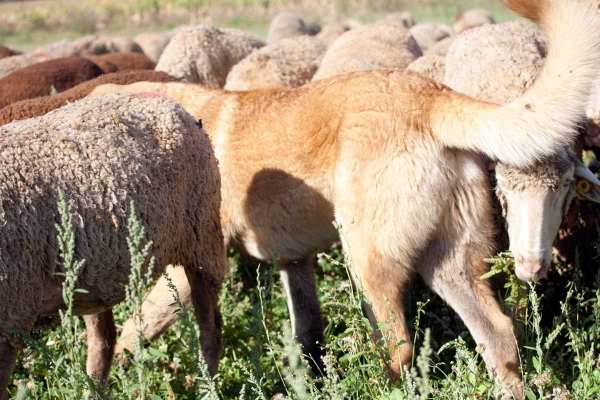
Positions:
{"x": 558, "y": 348}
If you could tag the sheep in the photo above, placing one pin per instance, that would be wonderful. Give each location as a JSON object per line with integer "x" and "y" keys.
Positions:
{"x": 427, "y": 35}
{"x": 9, "y": 65}
{"x": 205, "y": 55}
{"x": 472, "y": 18}
{"x": 84, "y": 46}
{"x": 38, "y": 79}
{"x": 7, "y": 52}
{"x": 154, "y": 43}
{"x": 477, "y": 66}
{"x": 289, "y": 62}
{"x": 403, "y": 18}
{"x": 124, "y": 44}
{"x": 287, "y": 24}
{"x": 334, "y": 29}
{"x": 105, "y": 153}
{"x": 431, "y": 66}
{"x": 490, "y": 51}
{"x": 113, "y": 62}
{"x": 41, "y": 105}
{"x": 381, "y": 46}
{"x": 441, "y": 47}
{"x": 374, "y": 142}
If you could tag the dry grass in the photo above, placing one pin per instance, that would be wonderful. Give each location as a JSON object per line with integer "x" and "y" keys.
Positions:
{"x": 30, "y": 24}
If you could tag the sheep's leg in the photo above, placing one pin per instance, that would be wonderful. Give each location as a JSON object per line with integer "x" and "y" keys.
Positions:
{"x": 305, "y": 311}
{"x": 454, "y": 273}
{"x": 158, "y": 310}
{"x": 8, "y": 357}
{"x": 101, "y": 337}
{"x": 205, "y": 298}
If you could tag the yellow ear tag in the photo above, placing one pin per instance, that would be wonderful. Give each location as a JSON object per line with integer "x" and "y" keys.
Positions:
{"x": 583, "y": 186}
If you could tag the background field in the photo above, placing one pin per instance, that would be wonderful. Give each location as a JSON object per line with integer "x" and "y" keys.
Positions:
{"x": 30, "y": 24}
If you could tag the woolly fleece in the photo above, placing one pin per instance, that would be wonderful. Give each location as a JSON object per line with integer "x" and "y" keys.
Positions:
{"x": 38, "y": 79}
{"x": 114, "y": 62}
{"x": 205, "y": 55}
{"x": 103, "y": 153}
{"x": 427, "y": 35}
{"x": 480, "y": 58}
{"x": 289, "y": 62}
{"x": 431, "y": 66}
{"x": 12, "y": 64}
{"x": 41, "y": 105}
{"x": 472, "y": 18}
{"x": 381, "y": 46}
{"x": 286, "y": 25}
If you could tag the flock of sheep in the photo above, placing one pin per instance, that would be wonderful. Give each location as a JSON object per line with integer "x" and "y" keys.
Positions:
{"x": 399, "y": 131}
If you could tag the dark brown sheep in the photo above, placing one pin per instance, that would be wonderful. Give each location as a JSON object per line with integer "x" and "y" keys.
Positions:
{"x": 113, "y": 62}
{"x": 38, "y": 79}
{"x": 7, "y": 52}
{"x": 41, "y": 105}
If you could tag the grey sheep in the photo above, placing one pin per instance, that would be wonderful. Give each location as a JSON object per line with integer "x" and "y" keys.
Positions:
{"x": 287, "y": 24}
{"x": 84, "y": 46}
{"x": 512, "y": 50}
{"x": 334, "y": 29}
{"x": 472, "y": 18}
{"x": 154, "y": 43}
{"x": 428, "y": 35}
{"x": 14, "y": 63}
{"x": 431, "y": 66}
{"x": 441, "y": 47}
{"x": 402, "y": 18}
{"x": 290, "y": 62}
{"x": 380, "y": 46}
{"x": 105, "y": 153}
{"x": 205, "y": 55}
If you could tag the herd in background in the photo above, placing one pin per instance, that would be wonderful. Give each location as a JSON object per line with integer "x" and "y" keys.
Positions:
{"x": 490, "y": 62}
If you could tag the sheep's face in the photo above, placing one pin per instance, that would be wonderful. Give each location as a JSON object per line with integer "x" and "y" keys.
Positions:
{"x": 534, "y": 202}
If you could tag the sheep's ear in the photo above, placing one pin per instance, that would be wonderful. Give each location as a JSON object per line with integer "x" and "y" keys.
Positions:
{"x": 588, "y": 186}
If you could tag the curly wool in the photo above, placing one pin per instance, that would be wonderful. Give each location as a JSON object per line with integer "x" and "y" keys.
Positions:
{"x": 290, "y": 62}
{"x": 41, "y": 105}
{"x": 84, "y": 46}
{"x": 154, "y": 43}
{"x": 495, "y": 63}
{"x": 441, "y": 48}
{"x": 205, "y": 55}
{"x": 334, "y": 29}
{"x": 286, "y": 25}
{"x": 431, "y": 66}
{"x": 428, "y": 35}
{"x": 472, "y": 18}
{"x": 103, "y": 153}
{"x": 113, "y": 62}
{"x": 12, "y": 64}
{"x": 381, "y": 46}
{"x": 38, "y": 79}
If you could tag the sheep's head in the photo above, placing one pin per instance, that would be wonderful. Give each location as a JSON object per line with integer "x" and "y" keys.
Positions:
{"x": 534, "y": 202}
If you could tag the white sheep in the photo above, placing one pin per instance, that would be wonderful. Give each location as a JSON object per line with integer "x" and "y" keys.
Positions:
{"x": 289, "y": 62}
{"x": 104, "y": 153}
{"x": 380, "y": 46}
{"x": 204, "y": 54}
